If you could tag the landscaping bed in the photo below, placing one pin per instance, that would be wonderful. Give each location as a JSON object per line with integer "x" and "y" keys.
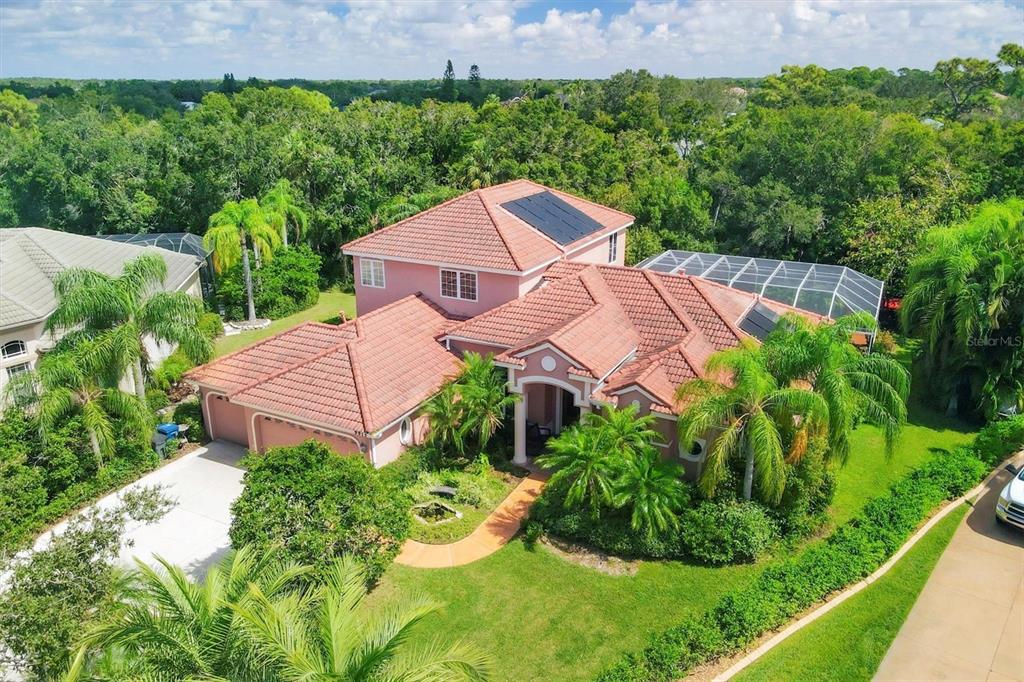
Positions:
{"x": 448, "y": 505}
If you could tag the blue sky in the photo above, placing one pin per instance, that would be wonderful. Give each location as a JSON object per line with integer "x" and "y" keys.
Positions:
{"x": 507, "y": 38}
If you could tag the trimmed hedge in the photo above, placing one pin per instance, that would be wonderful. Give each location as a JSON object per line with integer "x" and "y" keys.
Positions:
{"x": 851, "y": 553}
{"x": 726, "y": 532}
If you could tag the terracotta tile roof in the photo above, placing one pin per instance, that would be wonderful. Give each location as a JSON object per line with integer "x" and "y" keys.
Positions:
{"x": 473, "y": 230}
{"x": 373, "y": 369}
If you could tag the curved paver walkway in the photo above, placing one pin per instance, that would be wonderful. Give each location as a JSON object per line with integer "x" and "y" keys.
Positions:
{"x": 490, "y": 536}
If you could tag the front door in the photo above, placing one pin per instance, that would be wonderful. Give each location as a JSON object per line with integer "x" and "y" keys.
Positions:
{"x": 569, "y": 413}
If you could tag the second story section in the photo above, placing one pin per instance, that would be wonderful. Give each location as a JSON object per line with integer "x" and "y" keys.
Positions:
{"x": 484, "y": 248}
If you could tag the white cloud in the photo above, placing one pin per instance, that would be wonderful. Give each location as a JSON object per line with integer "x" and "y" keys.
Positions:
{"x": 413, "y": 38}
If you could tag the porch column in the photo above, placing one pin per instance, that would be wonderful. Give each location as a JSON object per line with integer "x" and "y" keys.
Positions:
{"x": 519, "y": 451}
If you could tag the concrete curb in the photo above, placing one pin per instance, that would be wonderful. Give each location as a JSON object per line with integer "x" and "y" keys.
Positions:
{"x": 838, "y": 599}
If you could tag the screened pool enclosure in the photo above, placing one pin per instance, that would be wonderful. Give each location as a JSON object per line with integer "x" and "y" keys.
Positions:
{"x": 832, "y": 290}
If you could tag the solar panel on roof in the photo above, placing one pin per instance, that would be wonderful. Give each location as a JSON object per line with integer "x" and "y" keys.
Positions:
{"x": 759, "y": 322}
{"x": 553, "y": 216}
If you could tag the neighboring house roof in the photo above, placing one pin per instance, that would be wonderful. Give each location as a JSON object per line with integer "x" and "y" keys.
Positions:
{"x": 475, "y": 230}
{"x": 32, "y": 257}
{"x": 625, "y": 327}
{"x": 359, "y": 377}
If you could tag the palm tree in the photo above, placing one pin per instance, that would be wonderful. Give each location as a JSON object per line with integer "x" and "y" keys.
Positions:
{"x": 622, "y": 431}
{"x": 754, "y": 414}
{"x": 121, "y": 311}
{"x": 446, "y": 413}
{"x": 69, "y": 384}
{"x": 317, "y": 635}
{"x": 172, "y": 627}
{"x": 282, "y": 210}
{"x": 484, "y": 396}
{"x": 652, "y": 487}
{"x": 233, "y": 229}
{"x": 873, "y": 387}
{"x": 580, "y": 458}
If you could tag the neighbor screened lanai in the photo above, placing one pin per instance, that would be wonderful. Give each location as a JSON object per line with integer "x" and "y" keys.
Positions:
{"x": 831, "y": 290}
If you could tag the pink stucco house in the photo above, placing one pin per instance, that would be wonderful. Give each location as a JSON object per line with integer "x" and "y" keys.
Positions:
{"x": 541, "y": 288}
{"x": 484, "y": 248}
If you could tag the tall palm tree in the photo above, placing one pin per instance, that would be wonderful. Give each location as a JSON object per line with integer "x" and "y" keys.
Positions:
{"x": 282, "y": 210}
{"x": 318, "y": 635}
{"x": 232, "y": 230}
{"x": 484, "y": 396}
{"x": 175, "y": 628}
{"x": 754, "y": 416}
{"x": 581, "y": 459}
{"x": 69, "y": 383}
{"x": 120, "y": 312}
{"x": 653, "y": 488}
{"x": 872, "y": 387}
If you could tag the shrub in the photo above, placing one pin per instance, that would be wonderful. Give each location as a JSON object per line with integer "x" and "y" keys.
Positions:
{"x": 885, "y": 341}
{"x": 211, "y": 325}
{"x": 783, "y": 590}
{"x": 157, "y": 399}
{"x": 191, "y": 413}
{"x": 317, "y": 506}
{"x": 999, "y": 439}
{"x": 284, "y": 285}
{"x": 170, "y": 371}
{"x": 726, "y": 532}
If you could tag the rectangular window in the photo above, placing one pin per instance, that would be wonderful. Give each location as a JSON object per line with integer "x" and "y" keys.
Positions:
{"x": 371, "y": 272}
{"x": 15, "y": 370}
{"x": 457, "y": 284}
{"x": 613, "y": 247}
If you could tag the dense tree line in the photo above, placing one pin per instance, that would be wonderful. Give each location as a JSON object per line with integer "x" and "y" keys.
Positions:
{"x": 848, "y": 165}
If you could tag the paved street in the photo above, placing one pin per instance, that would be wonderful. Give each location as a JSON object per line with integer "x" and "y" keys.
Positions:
{"x": 194, "y": 534}
{"x": 968, "y": 622}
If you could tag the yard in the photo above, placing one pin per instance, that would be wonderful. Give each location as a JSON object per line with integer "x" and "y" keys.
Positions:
{"x": 326, "y": 309}
{"x": 542, "y": 617}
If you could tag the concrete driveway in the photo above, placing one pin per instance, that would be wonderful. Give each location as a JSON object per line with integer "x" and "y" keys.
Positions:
{"x": 194, "y": 534}
{"x": 968, "y": 622}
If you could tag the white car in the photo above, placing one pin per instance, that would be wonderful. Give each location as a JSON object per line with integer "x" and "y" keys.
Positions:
{"x": 1010, "y": 507}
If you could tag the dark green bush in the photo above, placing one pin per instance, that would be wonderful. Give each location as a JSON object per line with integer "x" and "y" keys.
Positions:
{"x": 726, "y": 532}
{"x": 170, "y": 371}
{"x": 157, "y": 399}
{"x": 191, "y": 413}
{"x": 316, "y": 506}
{"x": 284, "y": 285}
{"x": 785, "y": 589}
{"x": 1000, "y": 439}
{"x": 211, "y": 325}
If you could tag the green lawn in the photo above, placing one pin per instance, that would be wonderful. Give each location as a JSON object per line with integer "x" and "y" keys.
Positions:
{"x": 542, "y": 617}
{"x": 849, "y": 642}
{"x": 324, "y": 310}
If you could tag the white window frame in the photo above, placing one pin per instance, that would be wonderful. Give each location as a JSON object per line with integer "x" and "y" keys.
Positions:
{"x": 364, "y": 271}
{"x": 458, "y": 284}
{"x": 613, "y": 247}
{"x": 21, "y": 346}
{"x": 20, "y": 368}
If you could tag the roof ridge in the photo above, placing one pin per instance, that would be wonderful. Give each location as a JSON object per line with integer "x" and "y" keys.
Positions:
{"x": 688, "y": 322}
{"x": 497, "y": 228}
{"x": 249, "y": 347}
{"x": 728, "y": 323}
{"x": 30, "y": 235}
{"x": 287, "y": 368}
{"x": 585, "y": 200}
{"x": 357, "y": 378}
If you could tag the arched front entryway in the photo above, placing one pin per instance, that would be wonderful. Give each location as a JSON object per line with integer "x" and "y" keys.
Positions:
{"x": 547, "y": 406}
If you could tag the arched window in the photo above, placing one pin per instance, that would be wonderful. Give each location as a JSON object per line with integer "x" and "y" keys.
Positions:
{"x": 405, "y": 431}
{"x": 696, "y": 451}
{"x": 13, "y": 349}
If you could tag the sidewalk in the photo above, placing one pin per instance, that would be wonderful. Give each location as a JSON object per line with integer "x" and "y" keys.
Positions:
{"x": 490, "y": 536}
{"x": 968, "y": 622}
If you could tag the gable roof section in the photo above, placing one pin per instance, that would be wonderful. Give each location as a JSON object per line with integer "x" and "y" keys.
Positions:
{"x": 31, "y": 257}
{"x": 474, "y": 230}
{"x": 358, "y": 377}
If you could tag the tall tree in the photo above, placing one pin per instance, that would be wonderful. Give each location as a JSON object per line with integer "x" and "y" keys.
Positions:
{"x": 748, "y": 415}
{"x": 282, "y": 210}
{"x": 121, "y": 312}
{"x": 968, "y": 82}
{"x": 448, "y": 91}
{"x": 855, "y": 386}
{"x": 233, "y": 229}
{"x": 474, "y": 76}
